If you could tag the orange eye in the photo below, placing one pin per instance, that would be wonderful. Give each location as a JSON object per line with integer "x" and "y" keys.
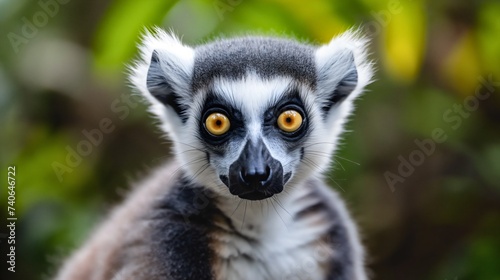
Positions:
{"x": 217, "y": 124}
{"x": 289, "y": 121}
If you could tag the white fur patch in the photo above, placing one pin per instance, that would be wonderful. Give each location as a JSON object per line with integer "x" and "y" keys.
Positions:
{"x": 276, "y": 246}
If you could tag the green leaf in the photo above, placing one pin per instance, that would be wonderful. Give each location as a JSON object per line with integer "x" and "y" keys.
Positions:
{"x": 115, "y": 42}
{"x": 488, "y": 39}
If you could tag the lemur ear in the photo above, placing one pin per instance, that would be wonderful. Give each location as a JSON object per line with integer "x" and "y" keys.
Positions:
{"x": 342, "y": 71}
{"x": 163, "y": 75}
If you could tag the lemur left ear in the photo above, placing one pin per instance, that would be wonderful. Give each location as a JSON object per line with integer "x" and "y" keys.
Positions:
{"x": 342, "y": 71}
{"x": 163, "y": 75}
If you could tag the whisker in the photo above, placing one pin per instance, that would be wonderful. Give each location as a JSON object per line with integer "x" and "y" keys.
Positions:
{"x": 241, "y": 200}
{"x": 347, "y": 160}
{"x": 188, "y": 163}
{"x": 338, "y": 185}
{"x": 185, "y": 151}
{"x": 202, "y": 169}
{"x": 244, "y": 214}
{"x": 330, "y": 177}
{"x": 272, "y": 204}
{"x": 310, "y": 163}
{"x": 281, "y": 205}
{"x": 261, "y": 208}
{"x": 319, "y": 143}
{"x": 341, "y": 166}
{"x": 186, "y": 144}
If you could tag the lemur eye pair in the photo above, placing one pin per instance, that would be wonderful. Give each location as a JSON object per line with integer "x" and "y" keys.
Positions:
{"x": 218, "y": 123}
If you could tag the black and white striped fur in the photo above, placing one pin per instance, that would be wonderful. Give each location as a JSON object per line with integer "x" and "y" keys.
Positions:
{"x": 183, "y": 222}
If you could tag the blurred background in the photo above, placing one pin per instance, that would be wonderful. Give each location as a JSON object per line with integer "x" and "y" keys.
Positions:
{"x": 419, "y": 167}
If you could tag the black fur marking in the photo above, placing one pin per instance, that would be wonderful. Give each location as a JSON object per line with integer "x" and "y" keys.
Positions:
{"x": 290, "y": 101}
{"x": 287, "y": 177}
{"x": 162, "y": 89}
{"x": 181, "y": 232}
{"x": 311, "y": 210}
{"x": 342, "y": 267}
{"x": 302, "y": 152}
{"x": 214, "y": 103}
{"x": 337, "y": 237}
{"x": 268, "y": 57}
{"x": 342, "y": 264}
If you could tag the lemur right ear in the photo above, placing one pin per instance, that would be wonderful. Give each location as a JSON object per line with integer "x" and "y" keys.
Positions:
{"x": 163, "y": 75}
{"x": 342, "y": 72}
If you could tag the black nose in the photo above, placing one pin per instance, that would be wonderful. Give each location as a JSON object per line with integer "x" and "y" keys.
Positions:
{"x": 256, "y": 176}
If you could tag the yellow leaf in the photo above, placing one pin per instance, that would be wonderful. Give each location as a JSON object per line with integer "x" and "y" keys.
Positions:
{"x": 404, "y": 40}
{"x": 461, "y": 67}
{"x": 320, "y": 22}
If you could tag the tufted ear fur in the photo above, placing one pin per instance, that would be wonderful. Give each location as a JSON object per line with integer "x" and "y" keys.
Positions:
{"x": 342, "y": 71}
{"x": 163, "y": 75}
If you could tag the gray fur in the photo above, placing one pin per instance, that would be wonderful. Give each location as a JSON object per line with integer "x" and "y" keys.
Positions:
{"x": 164, "y": 228}
{"x": 268, "y": 57}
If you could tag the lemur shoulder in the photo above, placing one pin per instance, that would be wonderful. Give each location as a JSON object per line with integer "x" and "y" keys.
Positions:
{"x": 254, "y": 123}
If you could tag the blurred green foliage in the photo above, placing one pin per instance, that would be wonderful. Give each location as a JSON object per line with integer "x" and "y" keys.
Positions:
{"x": 61, "y": 73}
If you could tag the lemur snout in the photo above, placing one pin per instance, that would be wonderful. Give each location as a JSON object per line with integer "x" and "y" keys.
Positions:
{"x": 255, "y": 174}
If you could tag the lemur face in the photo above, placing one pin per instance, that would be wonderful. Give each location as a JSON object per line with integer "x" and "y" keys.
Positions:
{"x": 254, "y": 132}
{"x": 252, "y": 116}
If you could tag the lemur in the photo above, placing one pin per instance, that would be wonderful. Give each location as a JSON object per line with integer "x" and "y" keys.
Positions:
{"x": 254, "y": 122}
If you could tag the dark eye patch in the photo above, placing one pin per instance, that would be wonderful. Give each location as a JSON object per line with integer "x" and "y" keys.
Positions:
{"x": 215, "y": 104}
{"x": 290, "y": 101}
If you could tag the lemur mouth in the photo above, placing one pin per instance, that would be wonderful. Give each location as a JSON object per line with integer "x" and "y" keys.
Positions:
{"x": 244, "y": 192}
{"x": 255, "y": 195}
{"x": 260, "y": 195}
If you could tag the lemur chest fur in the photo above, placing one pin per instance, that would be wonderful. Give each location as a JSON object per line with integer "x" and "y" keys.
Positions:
{"x": 284, "y": 238}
